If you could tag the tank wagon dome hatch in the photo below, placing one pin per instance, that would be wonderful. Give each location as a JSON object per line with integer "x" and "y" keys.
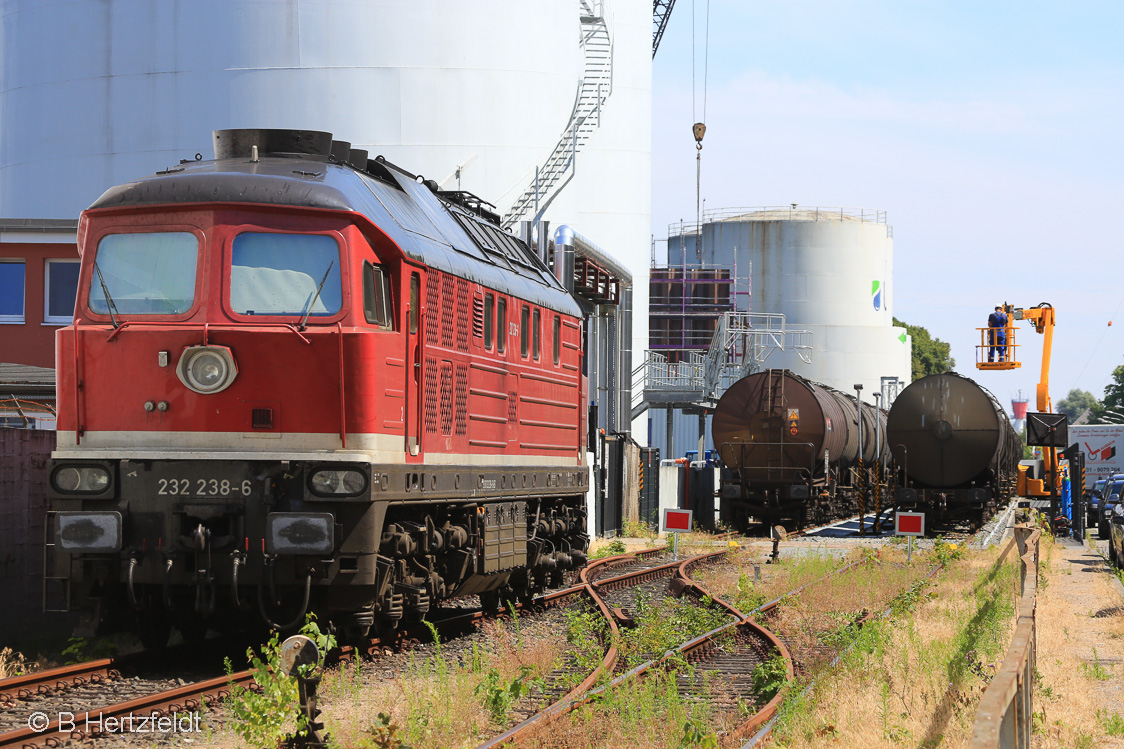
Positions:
{"x": 950, "y": 426}
{"x": 454, "y": 231}
{"x": 753, "y": 425}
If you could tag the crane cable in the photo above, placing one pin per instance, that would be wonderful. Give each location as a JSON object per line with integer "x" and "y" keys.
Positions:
{"x": 699, "y": 128}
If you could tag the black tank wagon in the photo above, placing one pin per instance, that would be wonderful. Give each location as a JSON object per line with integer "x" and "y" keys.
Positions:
{"x": 789, "y": 446}
{"x": 957, "y": 448}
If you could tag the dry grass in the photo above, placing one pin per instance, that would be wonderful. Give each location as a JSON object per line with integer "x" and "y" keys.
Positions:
{"x": 1079, "y": 698}
{"x": 13, "y": 663}
{"x": 434, "y": 702}
{"x": 914, "y": 681}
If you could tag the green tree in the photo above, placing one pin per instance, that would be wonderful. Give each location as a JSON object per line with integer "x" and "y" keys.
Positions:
{"x": 1076, "y": 403}
{"x": 930, "y": 355}
{"x": 1114, "y": 393}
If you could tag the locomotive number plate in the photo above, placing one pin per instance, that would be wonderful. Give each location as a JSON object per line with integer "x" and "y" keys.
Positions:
{"x": 204, "y": 487}
{"x": 190, "y": 480}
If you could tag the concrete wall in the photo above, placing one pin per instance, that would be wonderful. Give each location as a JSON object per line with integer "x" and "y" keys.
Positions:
{"x": 23, "y": 508}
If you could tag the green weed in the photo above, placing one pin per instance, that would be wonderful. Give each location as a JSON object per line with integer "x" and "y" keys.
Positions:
{"x": 498, "y": 696}
{"x": 696, "y": 734}
{"x": 263, "y": 715}
{"x": 770, "y": 676}
{"x": 1096, "y": 670}
{"x": 611, "y": 549}
{"x": 80, "y": 649}
{"x": 1113, "y": 724}
{"x": 384, "y": 734}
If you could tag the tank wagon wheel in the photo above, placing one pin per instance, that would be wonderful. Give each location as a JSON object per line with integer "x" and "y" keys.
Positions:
{"x": 490, "y": 602}
{"x": 193, "y": 629}
{"x": 153, "y": 628}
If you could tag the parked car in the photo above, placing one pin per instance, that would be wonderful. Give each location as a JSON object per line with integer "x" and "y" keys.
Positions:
{"x": 1110, "y": 499}
{"x": 1116, "y": 535}
{"x": 1093, "y": 502}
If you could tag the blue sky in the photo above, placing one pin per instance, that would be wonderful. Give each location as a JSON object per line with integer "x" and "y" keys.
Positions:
{"x": 992, "y": 134}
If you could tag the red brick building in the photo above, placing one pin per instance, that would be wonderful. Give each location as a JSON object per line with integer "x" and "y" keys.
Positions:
{"x": 38, "y": 283}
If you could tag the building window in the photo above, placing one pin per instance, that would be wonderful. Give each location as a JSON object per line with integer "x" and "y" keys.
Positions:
{"x": 11, "y": 290}
{"x": 61, "y": 287}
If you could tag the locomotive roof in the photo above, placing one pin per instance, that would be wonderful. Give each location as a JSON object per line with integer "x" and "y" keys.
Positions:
{"x": 436, "y": 232}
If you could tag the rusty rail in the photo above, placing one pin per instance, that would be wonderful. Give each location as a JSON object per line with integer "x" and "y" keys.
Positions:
{"x": 1004, "y": 717}
{"x": 187, "y": 699}
{"x": 584, "y": 692}
{"x": 59, "y": 679}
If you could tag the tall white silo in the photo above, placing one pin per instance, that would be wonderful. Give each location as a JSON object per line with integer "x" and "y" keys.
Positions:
{"x": 828, "y": 270}
{"x": 94, "y": 93}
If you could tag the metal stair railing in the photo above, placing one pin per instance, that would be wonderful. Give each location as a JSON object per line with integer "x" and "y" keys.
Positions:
{"x": 743, "y": 341}
{"x": 596, "y": 86}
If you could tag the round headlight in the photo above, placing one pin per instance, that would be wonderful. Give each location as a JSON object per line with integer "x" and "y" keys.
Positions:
{"x": 207, "y": 369}
{"x": 81, "y": 479}
{"x": 344, "y": 483}
{"x": 67, "y": 480}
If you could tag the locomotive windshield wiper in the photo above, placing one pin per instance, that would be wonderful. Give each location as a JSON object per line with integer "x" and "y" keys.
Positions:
{"x": 308, "y": 310}
{"x": 108, "y": 299}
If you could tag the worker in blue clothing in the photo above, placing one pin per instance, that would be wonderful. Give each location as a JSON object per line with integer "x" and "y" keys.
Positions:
{"x": 997, "y": 322}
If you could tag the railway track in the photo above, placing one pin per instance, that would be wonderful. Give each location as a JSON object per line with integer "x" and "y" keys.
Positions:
{"x": 678, "y": 573}
{"x": 723, "y": 663}
{"x": 23, "y": 696}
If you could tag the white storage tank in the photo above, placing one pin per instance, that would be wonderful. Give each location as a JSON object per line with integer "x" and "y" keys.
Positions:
{"x": 828, "y": 270}
{"x": 94, "y": 93}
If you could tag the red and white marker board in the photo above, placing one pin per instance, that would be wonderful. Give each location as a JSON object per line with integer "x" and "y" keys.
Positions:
{"x": 909, "y": 524}
{"x": 676, "y": 521}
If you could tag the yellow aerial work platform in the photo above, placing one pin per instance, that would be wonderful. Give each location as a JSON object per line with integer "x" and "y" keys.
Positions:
{"x": 992, "y": 353}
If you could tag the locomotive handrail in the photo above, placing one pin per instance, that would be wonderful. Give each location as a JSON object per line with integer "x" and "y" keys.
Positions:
{"x": 206, "y": 327}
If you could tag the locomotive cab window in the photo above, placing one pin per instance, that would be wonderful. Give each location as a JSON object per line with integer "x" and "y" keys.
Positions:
{"x": 536, "y": 331}
{"x": 376, "y": 296}
{"x": 285, "y": 274}
{"x": 501, "y": 326}
{"x": 557, "y": 339}
{"x": 147, "y": 273}
{"x": 525, "y": 332}
{"x": 489, "y": 320}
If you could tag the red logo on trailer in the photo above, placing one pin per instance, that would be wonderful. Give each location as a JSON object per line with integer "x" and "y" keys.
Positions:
{"x": 909, "y": 524}
{"x": 676, "y": 521}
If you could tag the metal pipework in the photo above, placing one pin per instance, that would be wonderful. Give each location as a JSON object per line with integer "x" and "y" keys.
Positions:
{"x": 568, "y": 244}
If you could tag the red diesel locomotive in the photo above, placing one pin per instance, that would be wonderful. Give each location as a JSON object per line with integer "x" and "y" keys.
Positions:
{"x": 298, "y": 379}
